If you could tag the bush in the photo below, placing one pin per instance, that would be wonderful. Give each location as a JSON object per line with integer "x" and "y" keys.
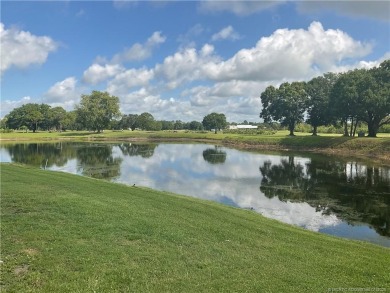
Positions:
{"x": 6, "y": 130}
{"x": 384, "y": 128}
{"x": 330, "y": 129}
{"x": 303, "y": 127}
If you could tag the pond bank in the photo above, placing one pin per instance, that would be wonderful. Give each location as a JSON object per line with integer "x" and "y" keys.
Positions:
{"x": 107, "y": 236}
{"x": 379, "y": 153}
{"x": 377, "y": 149}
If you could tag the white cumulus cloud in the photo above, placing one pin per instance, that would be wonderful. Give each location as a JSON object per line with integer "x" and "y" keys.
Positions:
{"x": 102, "y": 69}
{"x": 21, "y": 49}
{"x": 239, "y": 100}
{"x": 64, "y": 93}
{"x": 97, "y": 73}
{"x": 192, "y": 82}
{"x": 145, "y": 100}
{"x": 139, "y": 52}
{"x": 227, "y": 33}
{"x": 186, "y": 65}
{"x": 206, "y": 82}
{"x": 290, "y": 54}
{"x": 130, "y": 79}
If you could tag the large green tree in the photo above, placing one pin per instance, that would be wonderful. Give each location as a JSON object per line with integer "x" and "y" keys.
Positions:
{"x": 195, "y": 125}
{"x": 56, "y": 118}
{"x": 319, "y": 90}
{"x": 69, "y": 121}
{"x": 145, "y": 121}
{"x": 167, "y": 125}
{"x": 29, "y": 115}
{"x": 97, "y": 110}
{"x": 376, "y": 98}
{"x": 129, "y": 121}
{"x": 363, "y": 95}
{"x": 346, "y": 99}
{"x": 216, "y": 121}
{"x": 286, "y": 104}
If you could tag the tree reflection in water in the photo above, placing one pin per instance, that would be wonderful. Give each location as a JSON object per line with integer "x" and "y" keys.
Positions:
{"x": 97, "y": 161}
{"x": 351, "y": 191}
{"x": 214, "y": 156}
{"x": 94, "y": 160}
{"x": 143, "y": 150}
{"x": 41, "y": 154}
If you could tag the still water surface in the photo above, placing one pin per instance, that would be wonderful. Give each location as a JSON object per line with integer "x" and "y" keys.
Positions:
{"x": 325, "y": 194}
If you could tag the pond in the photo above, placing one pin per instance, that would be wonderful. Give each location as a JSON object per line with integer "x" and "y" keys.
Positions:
{"x": 341, "y": 197}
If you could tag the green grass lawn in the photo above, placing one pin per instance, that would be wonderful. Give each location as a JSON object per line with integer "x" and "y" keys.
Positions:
{"x": 67, "y": 233}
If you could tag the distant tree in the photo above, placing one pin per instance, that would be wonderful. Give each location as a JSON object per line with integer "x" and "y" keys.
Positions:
{"x": 167, "y": 125}
{"x": 96, "y": 110}
{"x": 69, "y": 121}
{"x": 24, "y": 128}
{"x": 216, "y": 121}
{"x": 286, "y": 104}
{"x": 13, "y": 120}
{"x": 29, "y": 115}
{"x": 33, "y": 116}
{"x": 45, "y": 122}
{"x": 145, "y": 121}
{"x": 3, "y": 123}
{"x": 195, "y": 125}
{"x": 115, "y": 125}
{"x": 56, "y": 118}
{"x": 178, "y": 125}
{"x": 319, "y": 90}
{"x": 156, "y": 126}
{"x": 129, "y": 121}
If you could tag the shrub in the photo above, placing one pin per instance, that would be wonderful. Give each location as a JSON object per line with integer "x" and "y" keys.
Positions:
{"x": 384, "y": 128}
{"x": 6, "y": 130}
{"x": 330, "y": 129}
{"x": 303, "y": 127}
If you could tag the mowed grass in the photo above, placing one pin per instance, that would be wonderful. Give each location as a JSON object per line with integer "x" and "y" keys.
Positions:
{"x": 67, "y": 233}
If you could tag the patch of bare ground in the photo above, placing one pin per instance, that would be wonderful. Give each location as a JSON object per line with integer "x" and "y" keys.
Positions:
{"x": 30, "y": 251}
{"x": 21, "y": 270}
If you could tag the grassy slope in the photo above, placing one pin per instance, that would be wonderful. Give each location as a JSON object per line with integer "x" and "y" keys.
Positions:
{"x": 67, "y": 233}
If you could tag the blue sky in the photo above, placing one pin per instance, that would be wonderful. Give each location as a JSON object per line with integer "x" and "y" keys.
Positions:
{"x": 181, "y": 59}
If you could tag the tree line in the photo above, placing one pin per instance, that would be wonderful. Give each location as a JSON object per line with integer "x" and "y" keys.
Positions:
{"x": 347, "y": 99}
{"x": 96, "y": 112}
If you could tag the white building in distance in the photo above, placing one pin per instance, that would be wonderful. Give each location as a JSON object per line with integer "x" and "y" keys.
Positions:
{"x": 242, "y": 127}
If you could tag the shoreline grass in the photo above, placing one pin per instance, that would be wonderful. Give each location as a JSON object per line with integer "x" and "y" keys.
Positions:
{"x": 68, "y": 233}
